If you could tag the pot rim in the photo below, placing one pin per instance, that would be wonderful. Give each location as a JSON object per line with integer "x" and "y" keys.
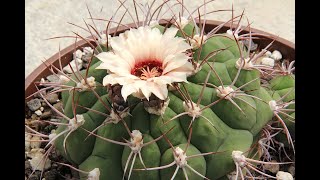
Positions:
{"x": 42, "y": 70}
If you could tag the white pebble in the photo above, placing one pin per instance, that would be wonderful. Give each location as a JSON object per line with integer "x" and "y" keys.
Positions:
{"x": 268, "y": 54}
{"x": 78, "y": 54}
{"x": 27, "y": 143}
{"x": 284, "y": 176}
{"x": 87, "y": 50}
{"x": 37, "y": 162}
{"x": 276, "y": 55}
{"x": 73, "y": 65}
{"x": 42, "y": 81}
{"x": 274, "y": 168}
{"x": 230, "y": 33}
{"x": 38, "y": 112}
{"x": 63, "y": 79}
{"x": 41, "y": 108}
{"x": 267, "y": 61}
{"x": 87, "y": 54}
{"x": 35, "y": 144}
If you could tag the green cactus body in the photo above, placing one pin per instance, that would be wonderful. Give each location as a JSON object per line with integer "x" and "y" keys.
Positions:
{"x": 221, "y": 128}
{"x": 283, "y": 87}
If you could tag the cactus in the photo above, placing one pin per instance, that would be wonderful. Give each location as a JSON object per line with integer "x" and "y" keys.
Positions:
{"x": 191, "y": 125}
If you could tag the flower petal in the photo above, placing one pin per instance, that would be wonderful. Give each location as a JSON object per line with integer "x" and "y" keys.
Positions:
{"x": 175, "y": 62}
{"x": 126, "y": 90}
{"x": 159, "y": 90}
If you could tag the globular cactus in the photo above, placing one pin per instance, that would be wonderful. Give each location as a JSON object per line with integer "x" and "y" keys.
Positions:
{"x": 171, "y": 101}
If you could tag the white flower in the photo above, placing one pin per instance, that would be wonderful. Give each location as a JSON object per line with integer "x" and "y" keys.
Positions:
{"x": 144, "y": 61}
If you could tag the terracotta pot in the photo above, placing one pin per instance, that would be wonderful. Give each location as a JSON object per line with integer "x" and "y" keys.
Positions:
{"x": 287, "y": 49}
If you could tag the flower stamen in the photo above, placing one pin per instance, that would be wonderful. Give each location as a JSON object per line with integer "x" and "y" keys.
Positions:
{"x": 147, "y": 69}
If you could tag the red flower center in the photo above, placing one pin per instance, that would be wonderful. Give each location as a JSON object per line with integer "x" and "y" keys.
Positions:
{"x": 147, "y": 69}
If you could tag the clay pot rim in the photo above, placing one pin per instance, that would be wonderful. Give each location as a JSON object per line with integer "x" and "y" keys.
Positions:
{"x": 42, "y": 71}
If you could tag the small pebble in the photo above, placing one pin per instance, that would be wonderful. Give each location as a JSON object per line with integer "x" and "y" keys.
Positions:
{"x": 34, "y": 177}
{"x": 46, "y": 114}
{"x": 27, "y": 143}
{"x": 29, "y": 113}
{"x": 276, "y": 55}
{"x": 41, "y": 108}
{"x": 58, "y": 106}
{"x": 27, "y": 168}
{"x": 38, "y": 112}
{"x": 52, "y": 98}
{"x": 292, "y": 170}
{"x": 37, "y": 95}
{"x": 51, "y": 174}
{"x": 34, "y": 104}
{"x": 53, "y": 78}
{"x": 34, "y": 117}
{"x": 87, "y": 54}
{"x": 63, "y": 79}
{"x": 253, "y": 47}
{"x": 37, "y": 162}
{"x": 54, "y": 157}
{"x": 73, "y": 65}
{"x": 78, "y": 54}
{"x": 274, "y": 168}
{"x": 35, "y": 145}
{"x": 267, "y": 61}
{"x": 268, "y": 54}
{"x": 42, "y": 81}
{"x": 284, "y": 176}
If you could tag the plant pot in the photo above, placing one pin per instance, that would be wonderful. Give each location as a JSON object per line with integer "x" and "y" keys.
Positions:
{"x": 286, "y": 47}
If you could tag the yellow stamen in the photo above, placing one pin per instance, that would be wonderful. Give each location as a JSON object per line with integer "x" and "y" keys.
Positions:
{"x": 146, "y": 74}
